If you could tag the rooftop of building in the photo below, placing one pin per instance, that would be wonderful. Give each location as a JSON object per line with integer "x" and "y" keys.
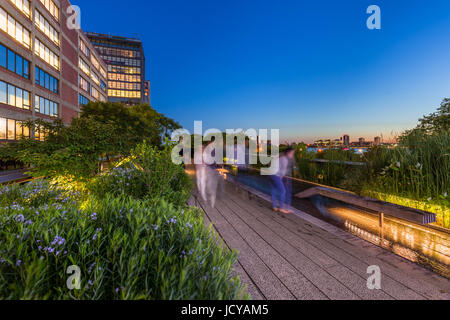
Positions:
{"x": 113, "y": 37}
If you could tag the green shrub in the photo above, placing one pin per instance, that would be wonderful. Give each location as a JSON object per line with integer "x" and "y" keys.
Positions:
{"x": 148, "y": 174}
{"x": 125, "y": 248}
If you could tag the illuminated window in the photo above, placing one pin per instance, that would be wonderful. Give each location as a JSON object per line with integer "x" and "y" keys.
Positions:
{"x": 23, "y": 5}
{"x": 45, "y": 106}
{"x": 103, "y": 72}
{"x": 51, "y": 7}
{"x": 84, "y": 84}
{"x": 124, "y": 94}
{"x": 46, "y": 54}
{"x": 84, "y": 66}
{"x": 95, "y": 62}
{"x": 39, "y": 133}
{"x": 46, "y": 28}
{"x": 122, "y": 69}
{"x": 14, "y": 96}
{"x": 95, "y": 93}
{"x": 95, "y": 78}
{"x": 84, "y": 48}
{"x": 14, "y": 29}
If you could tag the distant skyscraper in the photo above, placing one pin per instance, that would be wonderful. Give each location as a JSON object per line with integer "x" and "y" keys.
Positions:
{"x": 126, "y": 67}
{"x": 377, "y": 141}
{"x": 147, "y": 91}
{"x": 346, "y": 140}
{"x": 362, "y": 141}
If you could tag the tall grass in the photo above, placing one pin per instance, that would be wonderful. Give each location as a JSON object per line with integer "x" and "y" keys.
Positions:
{"x": 417, "y": 170}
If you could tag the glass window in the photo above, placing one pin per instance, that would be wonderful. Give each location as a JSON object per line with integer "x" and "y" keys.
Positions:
{"x": 14, "y": 29}
{"x": 2, "y": 129}
{"x": 11, "y": 95}
{"x": 47, "y": 81}
{"x": 23, "y": 5}
{"x": 26, "y": 69}
{"x": 3, "y": 92}
{"x": 26, "y": 132}
{"x": 45, "y": 106}
{"x": 42, "y": 105}
{"x": 19, "y": 65}
{"x": 46, "y": 28}
{"x": 3, "y": 19}
{"x": 11, "y": 61}
{"x": 19, "y": 130}
{"x": 11, "y": 129}
{"x": 19, "y": 98}
{"x": 46, "y": 54}
{"x": 42, "y": 77}
{"x": 26, "y": 100}
{"x": 51, "y": 7}
{"x": 3, "y": 56}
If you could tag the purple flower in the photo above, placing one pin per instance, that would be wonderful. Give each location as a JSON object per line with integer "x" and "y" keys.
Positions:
{"x": 18, "y": 263}
{"x": 173, "y": 220}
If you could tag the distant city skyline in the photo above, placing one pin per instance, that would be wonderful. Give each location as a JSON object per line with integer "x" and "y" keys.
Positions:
{"x": 310, "y": 69}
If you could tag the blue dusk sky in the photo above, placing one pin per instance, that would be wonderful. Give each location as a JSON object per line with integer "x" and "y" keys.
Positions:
{"x": 309, "y": 68}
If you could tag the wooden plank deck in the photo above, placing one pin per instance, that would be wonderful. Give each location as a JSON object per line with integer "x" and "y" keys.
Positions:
{"x": 285, "y": 257}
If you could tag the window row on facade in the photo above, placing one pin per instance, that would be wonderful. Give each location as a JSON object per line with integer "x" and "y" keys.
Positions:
{"x": 46, "y": 54}
{"x": 24, "y": 6}
{"x": 123, "y": 69}
{"x": 125, "y": 61}
{"x": 14, "y": 96}
{"x": 11, "y": 129}
{"x": 87, "y": 70}
{"x": 124, "y": 94}
{"x": 86, "y": 86}
{"x": 51, "y": 7}
{"x": 46, "y": 80}
{"x": 15, "y": 29}
{"x": 44, "y": 25}
{"x": 124, "y": 85}
{"x": 124, "y": 77}
{"x": 45, "y": 106}
{"x": 85, "y": 50}
{"x": 118, "y": 52}
{"x": 14, "y": 62}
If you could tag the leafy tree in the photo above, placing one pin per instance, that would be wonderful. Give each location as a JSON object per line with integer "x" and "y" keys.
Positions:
{"x": 103, "y": 131}
{"x": 436, "y": 122}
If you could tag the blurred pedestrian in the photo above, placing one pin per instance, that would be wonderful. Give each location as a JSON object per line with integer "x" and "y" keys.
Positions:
{"x": 281, "y": 183}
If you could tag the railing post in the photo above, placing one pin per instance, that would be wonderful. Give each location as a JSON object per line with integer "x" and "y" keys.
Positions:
{"x": 381, "y": 220}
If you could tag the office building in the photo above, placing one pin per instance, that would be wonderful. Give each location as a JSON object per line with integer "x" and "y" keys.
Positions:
{"x": 377, "y": 141}
{"x": 48, "y": 69}
{"x": 362, "y": 142}
{"x": 346, "y": 139}
{"x": 125, "y": 61}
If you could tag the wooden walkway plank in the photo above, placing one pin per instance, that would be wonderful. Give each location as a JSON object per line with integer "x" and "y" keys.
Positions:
{"x": 298, "y": 284}
{"x": 316, "y": 271}
{"x": 348, "y": 250}
{"x": 329, "y": 285}
{"x": 271, "y": 287}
